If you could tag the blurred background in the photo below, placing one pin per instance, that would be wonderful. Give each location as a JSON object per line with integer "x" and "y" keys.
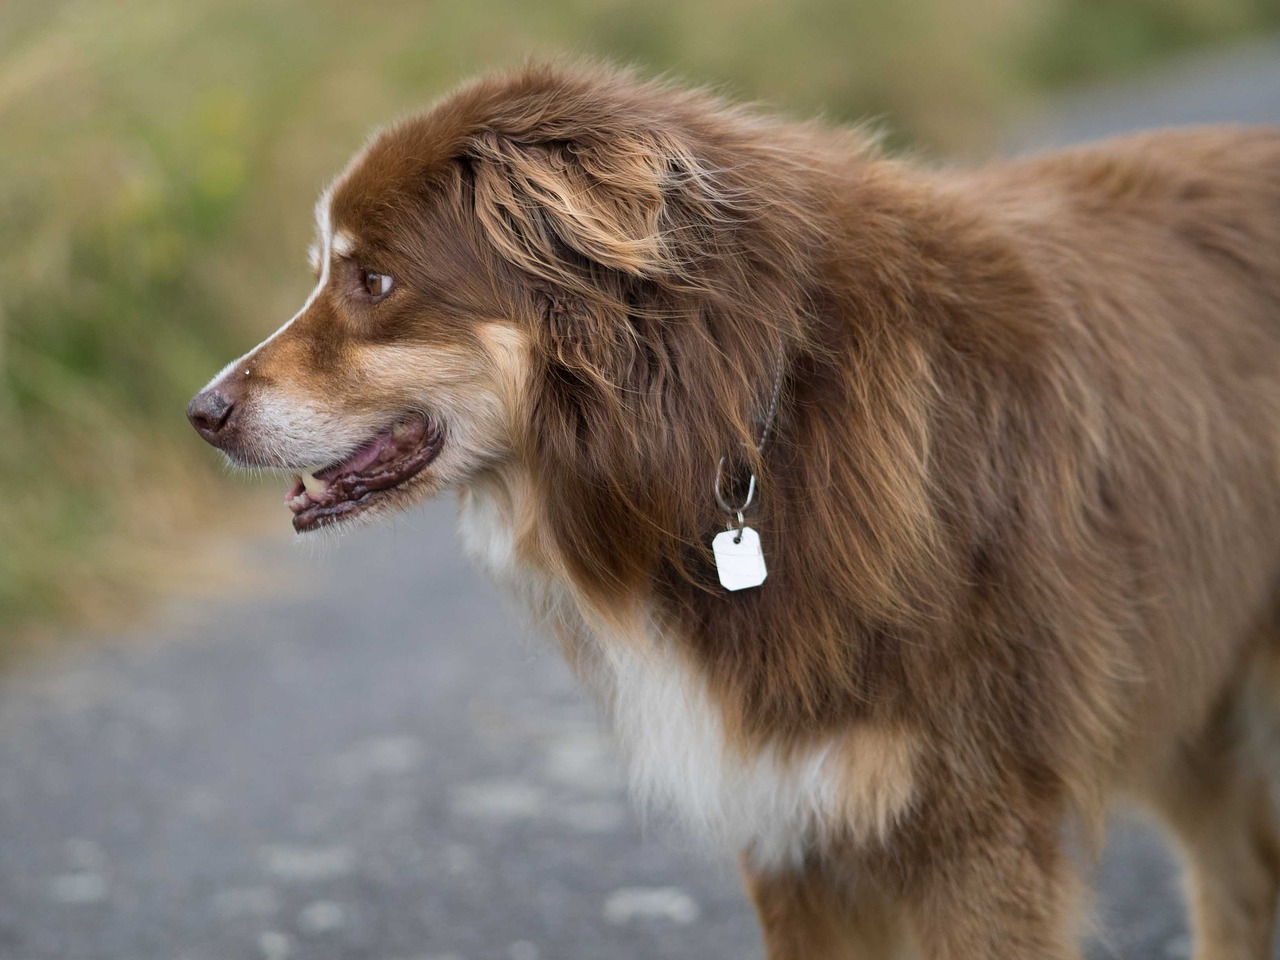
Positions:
{"x": 213, "y": 745}
{"x": 158, "y": 162}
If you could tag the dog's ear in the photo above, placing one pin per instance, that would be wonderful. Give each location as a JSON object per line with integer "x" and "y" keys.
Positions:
{"x": 557, "y": 208}
{"x": 594, "y": 224}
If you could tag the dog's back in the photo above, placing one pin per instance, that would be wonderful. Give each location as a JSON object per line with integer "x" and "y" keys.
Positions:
{"x": 1158, "y": 257}
{"x": 1166, "y": 250}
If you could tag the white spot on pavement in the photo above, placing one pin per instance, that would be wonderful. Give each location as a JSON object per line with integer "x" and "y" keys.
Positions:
{"x": 593, "y": 816}
{"x": 274, "y": 945}
{"x": 499, "y": 801}
{"x": 305, "y": 864}
{"x": 584, "y": 761}
{"x": 523, "y": 950}
{"x": 82, "y": 887}
{"x": 246, "y": 902}
{"x": 380, "y": 756}
{"x": 631, "y": 904}
{"x": 321, "y": 917}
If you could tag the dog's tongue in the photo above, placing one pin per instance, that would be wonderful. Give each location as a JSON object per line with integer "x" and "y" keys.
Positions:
{"x": 383, "y": 462}
{"x": 370, "y": 452}
{"x": 315, "y": 483}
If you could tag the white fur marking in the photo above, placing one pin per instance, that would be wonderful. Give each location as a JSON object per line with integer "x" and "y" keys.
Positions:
{"x": 675, "y": 744}
{"x": 486, "y": 536}
{"x": 673, "y": 737}
{"x": 343, "y": 244}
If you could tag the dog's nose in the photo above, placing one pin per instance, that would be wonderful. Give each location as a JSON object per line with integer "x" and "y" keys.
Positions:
{"x": 209, "y": 411}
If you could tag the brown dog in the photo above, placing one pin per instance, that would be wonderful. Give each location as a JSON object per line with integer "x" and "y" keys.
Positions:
{"x": 1018, "y": 502}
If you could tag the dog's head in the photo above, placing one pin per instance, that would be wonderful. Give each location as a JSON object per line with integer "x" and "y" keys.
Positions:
{"x": 571, "y": 269}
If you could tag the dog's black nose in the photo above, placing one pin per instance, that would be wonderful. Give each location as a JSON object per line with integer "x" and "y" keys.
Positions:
{"x": 209, "y": 411}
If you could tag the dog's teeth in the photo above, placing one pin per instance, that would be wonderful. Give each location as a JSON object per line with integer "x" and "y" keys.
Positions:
{"x": 314, "y": 485}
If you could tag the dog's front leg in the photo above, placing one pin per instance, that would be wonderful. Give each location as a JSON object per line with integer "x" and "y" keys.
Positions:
{"x": 1008, "y": 892}
{"x": 806, "y": 914}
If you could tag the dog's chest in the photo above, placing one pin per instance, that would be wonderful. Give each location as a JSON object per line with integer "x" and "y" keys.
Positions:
{"x": 671, "y": 732}
{"x": 673, "y": 736}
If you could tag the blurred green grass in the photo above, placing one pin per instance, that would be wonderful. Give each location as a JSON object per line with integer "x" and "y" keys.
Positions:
{"x": 158, "y": 162}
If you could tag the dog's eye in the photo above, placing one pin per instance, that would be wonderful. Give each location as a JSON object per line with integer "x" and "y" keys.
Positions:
{"x": 377, "y": 285}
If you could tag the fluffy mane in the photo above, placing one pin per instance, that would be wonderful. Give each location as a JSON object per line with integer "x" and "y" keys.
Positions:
{"x": 934, "y": 442}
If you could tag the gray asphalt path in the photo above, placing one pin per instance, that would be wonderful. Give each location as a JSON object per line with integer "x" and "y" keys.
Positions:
{"x": 368, "y": 758}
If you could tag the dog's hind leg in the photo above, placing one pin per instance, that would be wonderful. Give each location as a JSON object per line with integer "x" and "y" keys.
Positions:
{"x": 1218, "y": 796}
{"x": 806, "y": 915}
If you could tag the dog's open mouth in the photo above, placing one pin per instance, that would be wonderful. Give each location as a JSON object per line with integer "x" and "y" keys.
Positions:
{"x": 341, "y": 491}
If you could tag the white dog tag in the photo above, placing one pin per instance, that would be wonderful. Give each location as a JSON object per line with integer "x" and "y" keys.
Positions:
{"x": 739, "y": 559}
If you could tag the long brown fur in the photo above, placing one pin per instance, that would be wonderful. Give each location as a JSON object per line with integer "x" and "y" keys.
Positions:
{"x": 1019, "y": 506}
